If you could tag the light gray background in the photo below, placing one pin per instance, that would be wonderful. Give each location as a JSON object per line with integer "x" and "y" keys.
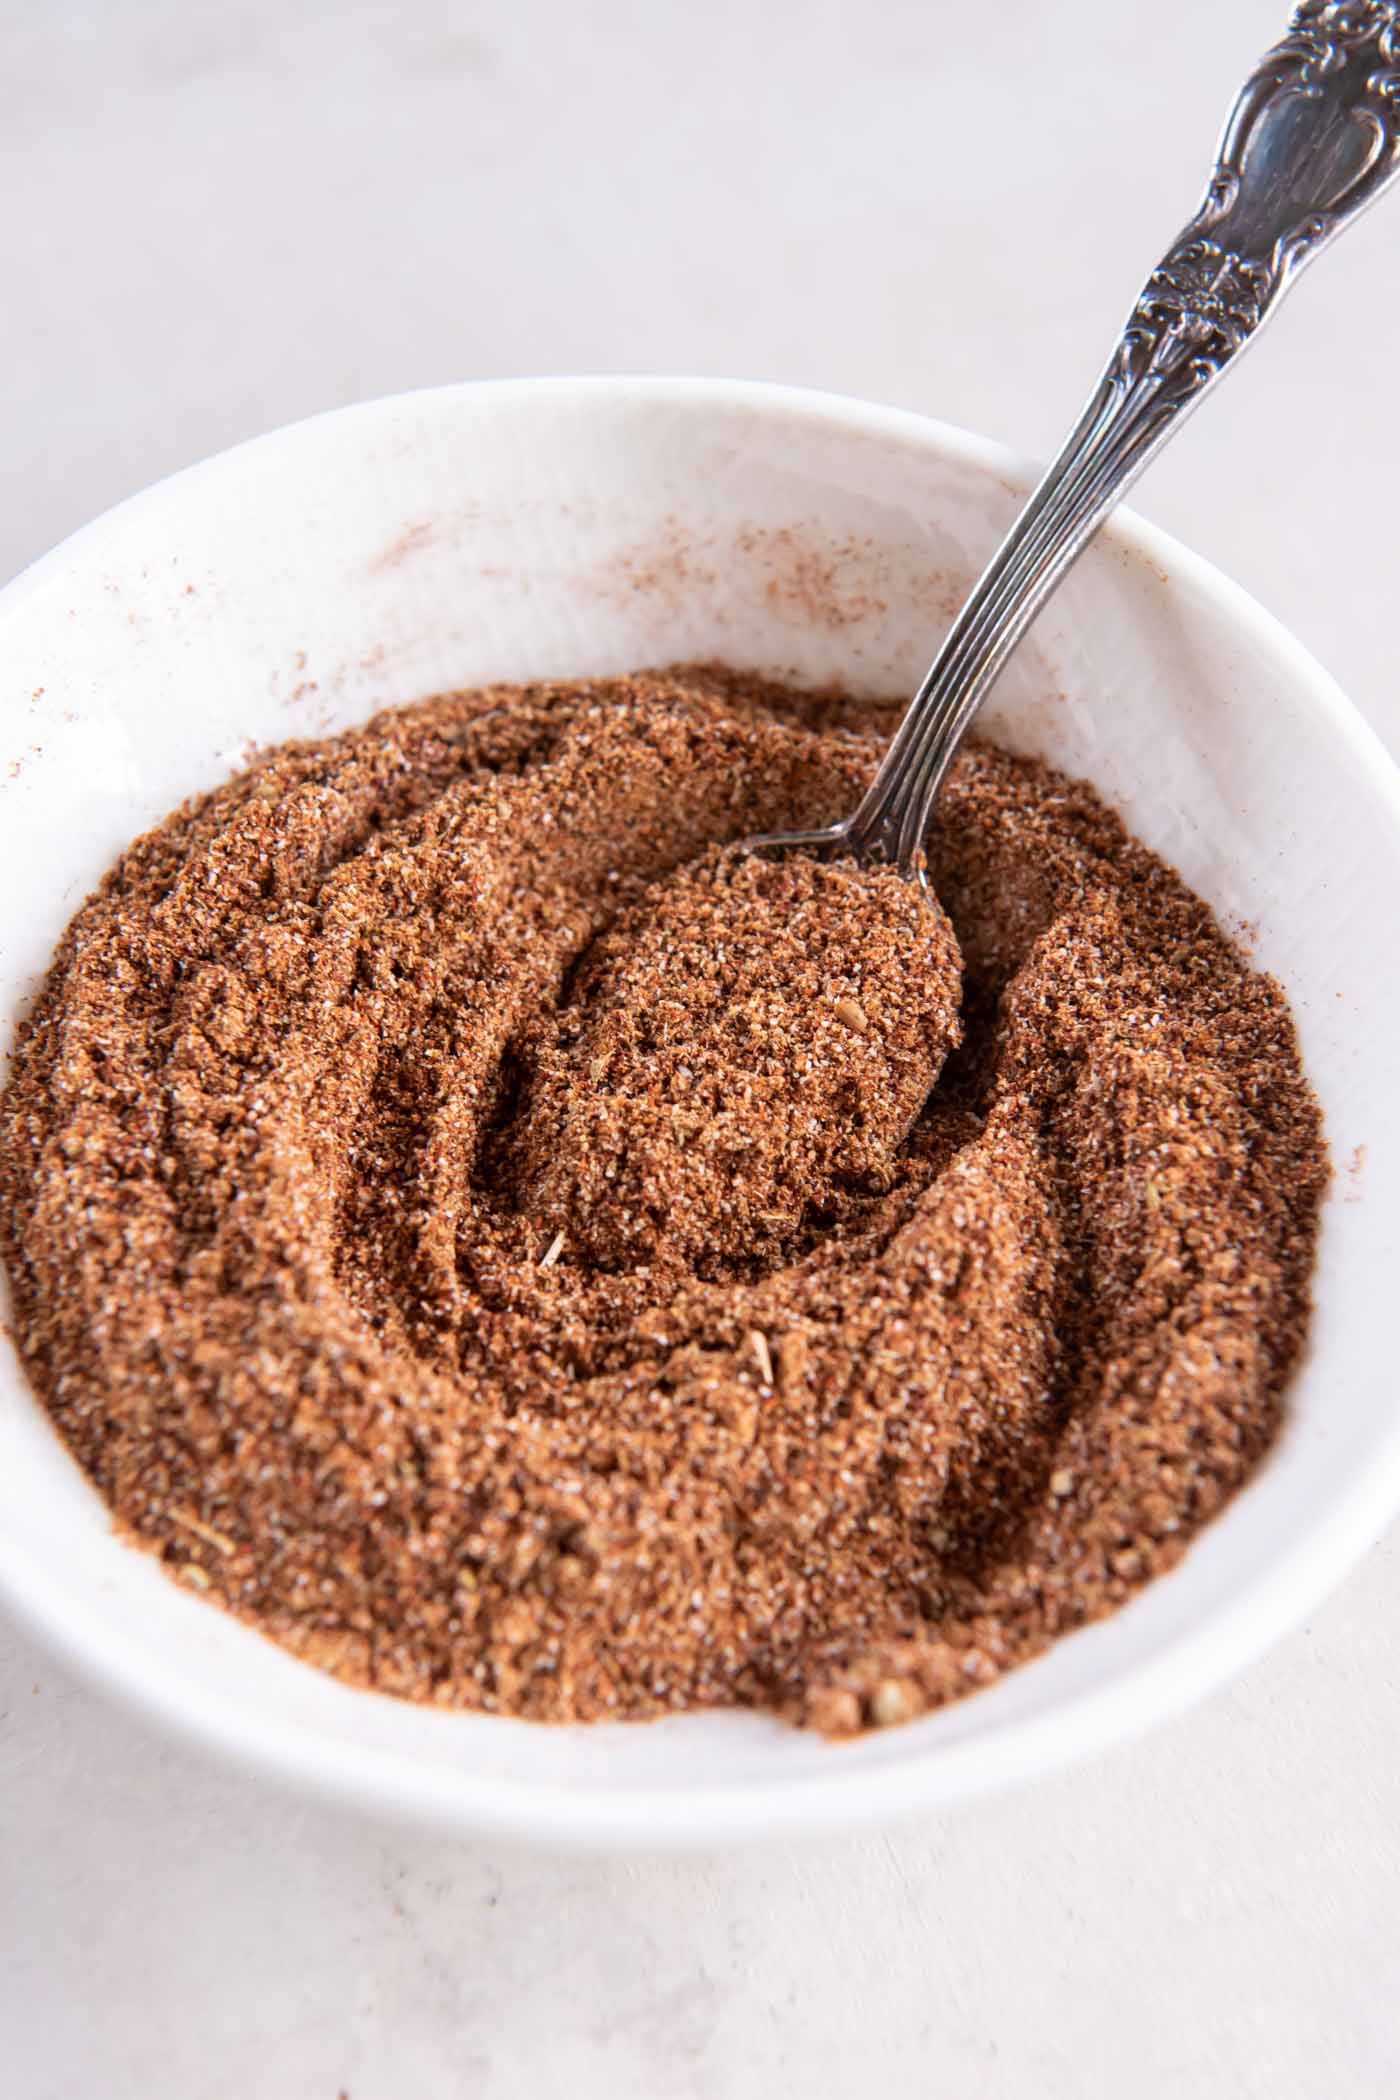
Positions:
{"x": 216, "y": 219}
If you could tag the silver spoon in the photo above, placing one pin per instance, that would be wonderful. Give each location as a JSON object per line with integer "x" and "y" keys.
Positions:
{"x": 1312, "y": 139}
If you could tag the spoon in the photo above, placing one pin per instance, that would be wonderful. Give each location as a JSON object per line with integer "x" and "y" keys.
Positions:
{"x": 1313, "y": 137}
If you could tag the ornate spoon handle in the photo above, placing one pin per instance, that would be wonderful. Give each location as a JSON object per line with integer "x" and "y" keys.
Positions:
{"x": 1310, "y": 142}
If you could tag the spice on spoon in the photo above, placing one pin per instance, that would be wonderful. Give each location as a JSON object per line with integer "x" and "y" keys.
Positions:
{"x": 713, "y": 1076}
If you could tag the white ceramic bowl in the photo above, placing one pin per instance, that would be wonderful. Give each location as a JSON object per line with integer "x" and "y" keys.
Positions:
{"x": 521, "y": 530}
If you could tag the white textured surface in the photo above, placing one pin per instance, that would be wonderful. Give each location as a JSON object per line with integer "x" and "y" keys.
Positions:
{"x": 218, "y": 221}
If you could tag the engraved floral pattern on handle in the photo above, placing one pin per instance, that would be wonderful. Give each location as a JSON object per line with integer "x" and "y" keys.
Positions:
{"x": 1312, "y": 138}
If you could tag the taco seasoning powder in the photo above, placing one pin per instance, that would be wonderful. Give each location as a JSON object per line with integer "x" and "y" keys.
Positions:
{"x": 503, "y": 1245}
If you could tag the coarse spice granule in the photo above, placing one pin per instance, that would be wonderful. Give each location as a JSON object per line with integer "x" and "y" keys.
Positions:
{"x": 494, "y": 1240}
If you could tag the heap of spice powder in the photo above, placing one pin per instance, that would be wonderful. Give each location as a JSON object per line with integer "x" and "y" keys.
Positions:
{"x": 521, "y": 1253}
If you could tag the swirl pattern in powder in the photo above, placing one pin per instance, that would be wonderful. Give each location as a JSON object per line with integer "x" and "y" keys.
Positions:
{"x": 446, "y": 1251}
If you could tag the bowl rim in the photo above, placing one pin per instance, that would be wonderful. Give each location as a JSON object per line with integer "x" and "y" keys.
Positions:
{"x": 1187, "y": 1666}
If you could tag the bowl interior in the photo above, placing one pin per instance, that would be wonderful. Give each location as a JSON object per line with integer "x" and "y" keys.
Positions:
{"x": 529, "y": 529}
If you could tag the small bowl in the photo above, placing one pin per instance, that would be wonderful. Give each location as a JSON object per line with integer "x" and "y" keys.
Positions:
{"x": 536, "y": 529}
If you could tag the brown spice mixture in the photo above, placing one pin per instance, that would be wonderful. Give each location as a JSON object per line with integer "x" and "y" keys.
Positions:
{"x": 470, "y": 1226}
